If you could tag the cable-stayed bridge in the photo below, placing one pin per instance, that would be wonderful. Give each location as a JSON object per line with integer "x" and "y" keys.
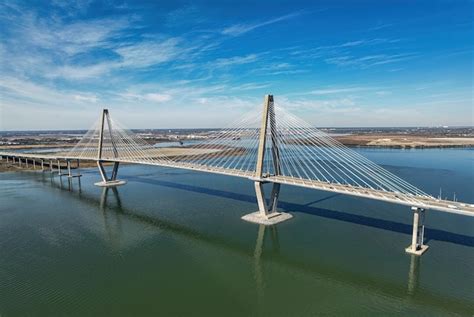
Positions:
{"x": 267, "y": 146}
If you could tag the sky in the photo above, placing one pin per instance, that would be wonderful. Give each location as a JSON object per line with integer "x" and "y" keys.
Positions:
{"x": 195, "y": 64}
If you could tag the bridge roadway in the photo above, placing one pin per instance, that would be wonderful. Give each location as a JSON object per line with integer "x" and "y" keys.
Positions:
{"x": 397, "y": 198}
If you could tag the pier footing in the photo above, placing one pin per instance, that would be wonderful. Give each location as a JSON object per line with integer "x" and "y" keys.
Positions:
{"x": 111, "y": 183}
{"x": 271, "y": 219}
{"x": 419, "y": 251}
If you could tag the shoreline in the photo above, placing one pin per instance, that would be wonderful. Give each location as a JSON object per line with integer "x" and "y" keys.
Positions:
{"x": 352, "y": 143}
{"x": 4, "y": 167}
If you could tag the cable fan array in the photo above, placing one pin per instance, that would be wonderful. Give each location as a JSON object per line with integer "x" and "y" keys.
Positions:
{"x": 309, "y": 153}
{"x": 118, "y": 143}
{"x": 303, "y": 153}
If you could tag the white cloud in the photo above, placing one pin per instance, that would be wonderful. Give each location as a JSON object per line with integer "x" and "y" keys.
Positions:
{"x": 69, "y": 38}
{"x": 149, "y": 53}
{"x": 329, "y": 91}
{"x": 81, "y": 72}
{"x": 86, "y": 98}
{"x": 239, "y": 29}
{"x": 369, "y": 60}
{"x": 250, "y": 86}
{"x": 16, "y": 91}
{"x": 236, "y": 60}
{"x": 158, "y": 97}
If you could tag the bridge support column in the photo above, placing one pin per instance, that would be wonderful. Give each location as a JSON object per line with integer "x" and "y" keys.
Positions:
{"x": 106, "y": 181}
{"x": 417, "y": 247}
{"x": 59, "y": 168}
{"x": 69, "y": 172}
{"x": 42, "y": 165}
{"x": 267, "y": 214}
{"x": 26, "y": 161}
{"x": 34, "y": 164}
{"x": 68, "y": 163}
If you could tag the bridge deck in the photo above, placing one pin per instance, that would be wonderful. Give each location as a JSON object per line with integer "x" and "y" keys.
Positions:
{"x": 425, "y": 202}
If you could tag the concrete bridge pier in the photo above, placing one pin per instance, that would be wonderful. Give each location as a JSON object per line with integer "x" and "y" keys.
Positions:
{"x": 70, "y": 175}
{"x": 59, "y": 168}
{"x": 417, "y": 247}
{"x": 42, "y": 165}
{"x": 106, "y": 181}
{"x": 267, "y": 214}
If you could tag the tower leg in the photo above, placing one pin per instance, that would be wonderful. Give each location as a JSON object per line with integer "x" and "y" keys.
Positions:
{"x": 267, "y": 214}
{"x": 112, "y": 181}
{"x": 417, "y": 247}
{"x": 262, "y": 204}
{"x": 274, "y": 198}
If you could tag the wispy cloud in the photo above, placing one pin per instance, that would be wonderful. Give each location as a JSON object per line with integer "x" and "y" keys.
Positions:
{"x": 381, "y": 26}
{"x": 250, "y": 86}
{"x": 239, "y": 29}
{"x": 158, "y": 97}
{"x": 331, "y": 91}
{"x": 148, "y": 53}
{"x": 369, "y": 60}
{"x": 189, "y": 14}
{"x": 69, "y": 38}
{"x": 236, "y": 60}
{"x": 87, "y": 98}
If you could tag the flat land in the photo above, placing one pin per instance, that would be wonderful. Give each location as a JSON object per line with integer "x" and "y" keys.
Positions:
{"x": 404, "y": 141}
{"x": 181, "y": 141}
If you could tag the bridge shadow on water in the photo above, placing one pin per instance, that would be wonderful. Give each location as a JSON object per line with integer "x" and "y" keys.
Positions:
{"x": 409, "y": 291}
{"x": 430, "y": 233}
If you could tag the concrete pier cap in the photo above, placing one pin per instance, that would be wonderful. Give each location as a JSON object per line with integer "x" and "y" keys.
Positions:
{"x": 112, "y": 183}
{"x": 267, "y": 220}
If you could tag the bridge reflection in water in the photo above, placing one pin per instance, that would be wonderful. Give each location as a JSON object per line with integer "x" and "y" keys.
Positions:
{"x": 265, "y": 251}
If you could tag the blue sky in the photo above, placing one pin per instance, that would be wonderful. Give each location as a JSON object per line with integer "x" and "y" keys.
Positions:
{"x": 169, "y": 64}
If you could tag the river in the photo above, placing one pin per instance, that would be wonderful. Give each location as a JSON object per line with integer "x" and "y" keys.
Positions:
{"x": 171, "y": 242}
